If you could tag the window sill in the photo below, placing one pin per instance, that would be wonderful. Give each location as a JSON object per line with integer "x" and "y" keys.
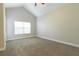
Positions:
{"x": 23, "y": 34}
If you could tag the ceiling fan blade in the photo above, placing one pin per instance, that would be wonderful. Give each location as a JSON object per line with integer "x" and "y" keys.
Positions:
{"x": 42, "y": 3}
{"x": 35, "y": 4}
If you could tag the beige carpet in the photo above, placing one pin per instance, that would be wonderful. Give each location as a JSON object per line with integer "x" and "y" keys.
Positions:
{"x": 38, "y": 47}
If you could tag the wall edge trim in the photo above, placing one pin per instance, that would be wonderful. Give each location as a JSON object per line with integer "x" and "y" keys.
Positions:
{"x": 63, "y": 42}
{"x": 20, "y": 38}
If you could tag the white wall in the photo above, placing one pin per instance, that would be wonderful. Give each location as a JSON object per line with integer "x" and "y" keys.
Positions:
{"x": 61, "y": 24}
{"x": 19, "y": 13}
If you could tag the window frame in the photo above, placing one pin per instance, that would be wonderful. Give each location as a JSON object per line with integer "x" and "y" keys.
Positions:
{"x": 23, "y": 28}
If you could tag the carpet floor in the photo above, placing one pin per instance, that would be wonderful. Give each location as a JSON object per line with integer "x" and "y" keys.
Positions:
{"x": 38, "y": 47}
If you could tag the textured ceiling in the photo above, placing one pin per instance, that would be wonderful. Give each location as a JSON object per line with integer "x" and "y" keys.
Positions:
{"x": 38, "y": 10}
{"x": 10, "y": 5}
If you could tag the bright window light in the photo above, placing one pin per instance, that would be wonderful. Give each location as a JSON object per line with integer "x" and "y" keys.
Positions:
{"x": 22, "y": 27}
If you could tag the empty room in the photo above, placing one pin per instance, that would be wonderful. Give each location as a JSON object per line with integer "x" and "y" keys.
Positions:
{"x": 39, "y": 29}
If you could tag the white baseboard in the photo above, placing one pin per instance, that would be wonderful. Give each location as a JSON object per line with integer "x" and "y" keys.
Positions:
{"x": 67, "y": 43}
{"x": 20, "y": 38}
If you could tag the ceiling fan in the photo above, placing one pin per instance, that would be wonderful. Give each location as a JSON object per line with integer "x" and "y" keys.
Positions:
{"x": 37, "y": 3}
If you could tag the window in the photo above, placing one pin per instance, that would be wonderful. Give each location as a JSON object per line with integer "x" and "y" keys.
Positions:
{"x": 22, "y": 27}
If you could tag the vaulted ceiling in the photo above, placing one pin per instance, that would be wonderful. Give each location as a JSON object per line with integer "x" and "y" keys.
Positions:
{"x": 38, "y": 10}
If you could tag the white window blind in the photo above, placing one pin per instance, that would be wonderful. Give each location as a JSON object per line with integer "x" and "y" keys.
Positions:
{"x": 22, "y": 27}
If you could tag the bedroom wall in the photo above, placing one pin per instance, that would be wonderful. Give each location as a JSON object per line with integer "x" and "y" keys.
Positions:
{"x": 2, "y": 39}
{"x": 20, "y": 14}
{"x": 61, "y": 24}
